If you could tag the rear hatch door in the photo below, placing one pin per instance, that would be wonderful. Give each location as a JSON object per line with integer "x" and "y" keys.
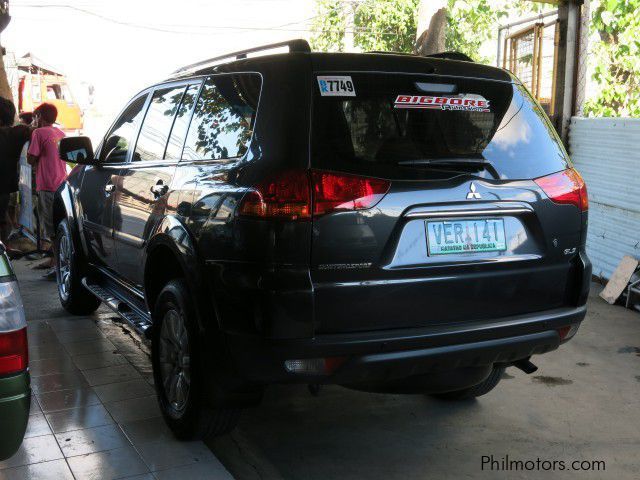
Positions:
{"x": 463, "y": 232}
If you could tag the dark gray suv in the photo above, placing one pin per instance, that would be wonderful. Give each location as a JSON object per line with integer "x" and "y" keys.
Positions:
{"x": 390, "y": 223}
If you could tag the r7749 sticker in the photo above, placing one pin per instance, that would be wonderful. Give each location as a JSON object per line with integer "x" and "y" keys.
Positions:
{"x": 336, "y": 86}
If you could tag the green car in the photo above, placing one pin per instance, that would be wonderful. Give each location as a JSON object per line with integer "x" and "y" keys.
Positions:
{"x": 15, "y": 388}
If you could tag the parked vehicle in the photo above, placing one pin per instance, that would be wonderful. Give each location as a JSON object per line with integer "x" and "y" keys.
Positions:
{"x": 15, "y": 389}
{"x": 386, "y": 222}
{"x": 35, "y": 82}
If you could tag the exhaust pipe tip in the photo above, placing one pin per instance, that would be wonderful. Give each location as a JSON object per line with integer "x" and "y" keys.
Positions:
{"x": 525, "y": 365}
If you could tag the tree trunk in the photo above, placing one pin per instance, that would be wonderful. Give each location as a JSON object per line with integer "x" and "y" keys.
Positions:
{"x": 5, "y": 18}
{"x": 5, "y": 88}
{"x": 432, "y": 24}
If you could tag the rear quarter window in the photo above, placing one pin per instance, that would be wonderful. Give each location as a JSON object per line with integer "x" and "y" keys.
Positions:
{"x": 383, "y": 125}
{"x": 224, "y": 116}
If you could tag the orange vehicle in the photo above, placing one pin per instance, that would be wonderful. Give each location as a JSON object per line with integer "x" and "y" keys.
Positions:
{"x": 38, "y": 83}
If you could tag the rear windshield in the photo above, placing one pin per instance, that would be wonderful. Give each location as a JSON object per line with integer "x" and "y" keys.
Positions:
{"x": 411, "y": 127}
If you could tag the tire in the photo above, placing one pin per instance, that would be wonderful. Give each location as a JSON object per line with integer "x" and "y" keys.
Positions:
{"x": 73, "y": 296}
{"x": 177, "y": 369}
{"x": 478, "y": 390}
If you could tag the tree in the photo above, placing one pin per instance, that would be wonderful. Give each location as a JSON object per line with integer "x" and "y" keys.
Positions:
{"x": 470, "y": 24}
{"x": 388, "y": 25}
{"x": 616, "y": 56}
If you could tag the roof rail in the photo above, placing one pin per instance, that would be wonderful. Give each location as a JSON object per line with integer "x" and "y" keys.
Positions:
{"x": 451, "y": 56}
{"x": 297, "y": 45}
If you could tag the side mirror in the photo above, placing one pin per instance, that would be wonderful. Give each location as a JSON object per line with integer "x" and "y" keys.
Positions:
{"x": 77, "y": 150}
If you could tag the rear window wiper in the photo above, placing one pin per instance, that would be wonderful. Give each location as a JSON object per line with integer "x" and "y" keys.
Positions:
{"x": 445, "y": 161}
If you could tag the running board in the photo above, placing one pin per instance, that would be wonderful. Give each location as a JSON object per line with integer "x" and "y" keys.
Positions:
{"x": 138, "y": 319}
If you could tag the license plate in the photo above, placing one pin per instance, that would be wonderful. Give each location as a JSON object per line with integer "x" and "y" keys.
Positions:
{"x": 466, "y": 236}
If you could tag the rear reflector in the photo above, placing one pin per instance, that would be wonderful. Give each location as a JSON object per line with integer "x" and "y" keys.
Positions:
{"x": 566, "y": 187}
{"x": 14, "y": 353}
{"x": 291, "y": 194}
{"x": 567, "y": 332}
{"x": 314, "y": 366}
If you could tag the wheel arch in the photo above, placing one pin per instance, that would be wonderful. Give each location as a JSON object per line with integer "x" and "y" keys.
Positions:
{"x": 64, "y": 207}
{"x": 171, "y": 253}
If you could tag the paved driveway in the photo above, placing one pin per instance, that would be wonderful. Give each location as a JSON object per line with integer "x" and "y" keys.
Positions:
{"x": 95, "y": 415}
{"x": 582, "y": 404}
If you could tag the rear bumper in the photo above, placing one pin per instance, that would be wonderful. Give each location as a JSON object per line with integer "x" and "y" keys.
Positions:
{"x": 387, "y": 355}
{"x": 15, "y": 402}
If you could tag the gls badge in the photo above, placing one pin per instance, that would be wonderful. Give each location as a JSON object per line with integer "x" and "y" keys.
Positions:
{"x": 472, "y": 193}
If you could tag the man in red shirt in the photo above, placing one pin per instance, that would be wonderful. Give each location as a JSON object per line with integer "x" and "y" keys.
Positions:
{"x": 50, "y": 168}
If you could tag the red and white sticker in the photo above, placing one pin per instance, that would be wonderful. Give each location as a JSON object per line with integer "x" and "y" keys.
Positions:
{"x": 465, "y": 102}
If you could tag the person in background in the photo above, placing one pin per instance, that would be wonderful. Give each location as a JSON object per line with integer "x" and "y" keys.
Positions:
{"x": 50, "y": 168}
{"x": 26, "y": 118}
{"x": 13, "y": 212}
{"x": 12, "y": 139}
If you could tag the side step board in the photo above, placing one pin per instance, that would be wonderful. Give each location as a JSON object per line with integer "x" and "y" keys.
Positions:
{"x": 117, "y": 301}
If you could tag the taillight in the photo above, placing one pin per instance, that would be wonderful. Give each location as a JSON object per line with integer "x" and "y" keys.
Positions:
{"x": 566, "y": 187}
{"x": 291, "y": 194}
{"x": 14, "y": 353}
{"x": 336, "y": 191}
{"x": 286, "y": 196}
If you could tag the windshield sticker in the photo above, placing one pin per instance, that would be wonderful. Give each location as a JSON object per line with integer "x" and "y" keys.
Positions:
{"x": 336, "y": 86}
{"x": 467, "y": 102}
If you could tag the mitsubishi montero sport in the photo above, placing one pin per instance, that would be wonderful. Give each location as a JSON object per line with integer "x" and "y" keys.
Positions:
{"x": 386, "y": 222}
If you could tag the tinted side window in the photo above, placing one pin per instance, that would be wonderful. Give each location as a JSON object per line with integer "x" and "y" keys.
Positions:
{"x": 223, "y": 120}
{"x": 118, "y": 141}
{"x": 181, "y": 123}
{"x": 157, "y": 124}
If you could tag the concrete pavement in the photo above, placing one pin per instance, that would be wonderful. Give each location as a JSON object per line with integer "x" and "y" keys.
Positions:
{"x": 582, "y": 404}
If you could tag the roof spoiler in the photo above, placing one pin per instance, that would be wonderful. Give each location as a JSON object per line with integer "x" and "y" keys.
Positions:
{"x": 446, "y": 55}
{"x": 297, "y": 45}
{"x": 451, "y": 56}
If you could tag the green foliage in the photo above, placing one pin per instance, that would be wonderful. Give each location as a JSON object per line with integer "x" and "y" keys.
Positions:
{"x": 617, "y": 58}
{"x": 329, "y": 26}
{"x": 388, "y": 25}
{"x": 470, "y": 24}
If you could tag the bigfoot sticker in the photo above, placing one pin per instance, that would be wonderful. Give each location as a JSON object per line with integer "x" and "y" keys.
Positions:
{"x": 466, "y": 102}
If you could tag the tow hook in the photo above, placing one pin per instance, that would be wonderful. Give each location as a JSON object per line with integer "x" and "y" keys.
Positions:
{"x": 314, "y": 389}
{"x": 525, "y": 365}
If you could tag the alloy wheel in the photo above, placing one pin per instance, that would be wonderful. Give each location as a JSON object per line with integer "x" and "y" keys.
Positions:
{"x": 174, "y": 359}
{"x": 63, "y": 267}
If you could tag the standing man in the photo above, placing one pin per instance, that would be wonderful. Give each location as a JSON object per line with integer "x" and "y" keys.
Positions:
{"x": 12, "y": 139}
{"x": 50, "y": 169}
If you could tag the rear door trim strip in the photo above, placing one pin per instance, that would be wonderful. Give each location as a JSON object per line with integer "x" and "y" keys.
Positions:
{"x": 468, "y": 212}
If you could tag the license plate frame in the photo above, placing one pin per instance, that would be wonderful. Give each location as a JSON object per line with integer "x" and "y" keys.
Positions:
{"x": 479, "y": 235}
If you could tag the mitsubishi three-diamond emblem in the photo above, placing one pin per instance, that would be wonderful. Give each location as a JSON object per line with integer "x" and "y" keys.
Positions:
{"x": 472, "y": 193}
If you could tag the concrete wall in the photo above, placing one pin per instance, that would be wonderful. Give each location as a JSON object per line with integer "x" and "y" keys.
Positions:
{"x": 606, "y": 151}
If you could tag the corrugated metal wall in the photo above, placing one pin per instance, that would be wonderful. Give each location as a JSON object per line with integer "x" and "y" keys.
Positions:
{"x": 606, "y": 151}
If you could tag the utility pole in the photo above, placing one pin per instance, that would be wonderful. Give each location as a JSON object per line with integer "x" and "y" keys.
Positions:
{"x": 350, "y": 25}
{"x": 583, "y": 54}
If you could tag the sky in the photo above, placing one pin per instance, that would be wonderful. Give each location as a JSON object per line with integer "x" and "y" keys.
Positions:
{"x": 122, "y": 46}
